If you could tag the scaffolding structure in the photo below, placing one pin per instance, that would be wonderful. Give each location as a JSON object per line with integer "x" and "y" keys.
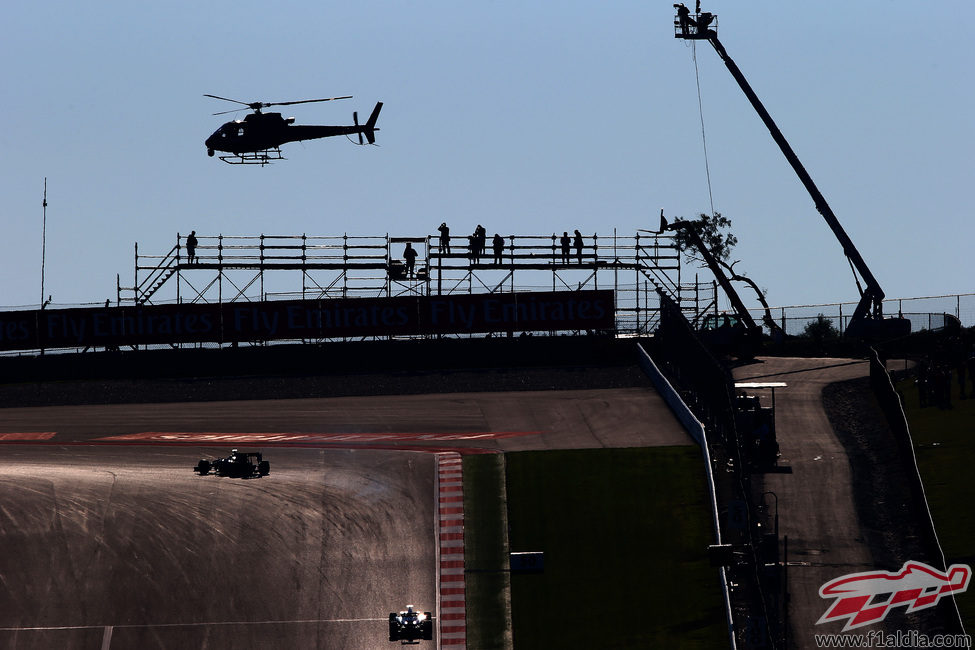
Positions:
{"x": 227, "y": 268}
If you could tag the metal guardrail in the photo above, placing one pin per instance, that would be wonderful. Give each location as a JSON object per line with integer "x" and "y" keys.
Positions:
{"x": 697, "y": 431}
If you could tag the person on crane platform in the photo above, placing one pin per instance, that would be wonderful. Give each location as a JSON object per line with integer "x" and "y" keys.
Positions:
{"x": 703, "y": 20}
{"x": 700, "y": 22}
{"x": 684, "y": 18}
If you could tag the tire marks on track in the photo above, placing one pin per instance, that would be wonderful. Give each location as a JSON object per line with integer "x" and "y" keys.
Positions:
{"x": 268, "y": 438}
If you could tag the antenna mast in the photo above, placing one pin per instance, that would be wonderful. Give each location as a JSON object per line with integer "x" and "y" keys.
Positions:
{"x": 43, "y": 239}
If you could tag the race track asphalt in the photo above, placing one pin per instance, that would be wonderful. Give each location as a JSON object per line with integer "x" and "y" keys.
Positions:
{"x": 118, "y": 544}
{"x": 125, "y": 547}
{"x": 567, "y": 419}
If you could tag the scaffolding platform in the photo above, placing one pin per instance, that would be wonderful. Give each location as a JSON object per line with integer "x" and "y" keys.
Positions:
{"x": 224, "y": 268}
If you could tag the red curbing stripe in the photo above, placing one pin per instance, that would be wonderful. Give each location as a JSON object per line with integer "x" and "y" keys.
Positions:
{"x": 450, "y": 489}
{"x": 452, "y": 578}
{"x": 37, "y": 435}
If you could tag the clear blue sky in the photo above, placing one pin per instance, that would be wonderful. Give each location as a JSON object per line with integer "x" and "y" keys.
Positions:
{"x": 529, "y": 117}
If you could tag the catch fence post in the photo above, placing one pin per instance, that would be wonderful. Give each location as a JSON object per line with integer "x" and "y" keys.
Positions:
{"x": 511, "y": 252}
{"x": 220, "y": 271}
{"x": 135, "y": 287}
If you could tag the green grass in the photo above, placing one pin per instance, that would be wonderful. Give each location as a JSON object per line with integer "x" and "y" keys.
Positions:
{"x": 625, "y": 535}
{"x": 944, "y": 442}
{"x": 485, "y": 550}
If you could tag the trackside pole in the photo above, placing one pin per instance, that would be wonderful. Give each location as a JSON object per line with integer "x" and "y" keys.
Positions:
{"x": 43, "y": 239}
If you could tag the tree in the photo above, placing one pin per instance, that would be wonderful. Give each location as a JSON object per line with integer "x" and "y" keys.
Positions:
{"x": 711, "y": 231}
{"x": 821, "y": 330}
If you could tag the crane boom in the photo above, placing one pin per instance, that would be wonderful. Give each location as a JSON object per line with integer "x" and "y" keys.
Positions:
{"x": 712, "y": 262}
{"x": 870, "y": 306}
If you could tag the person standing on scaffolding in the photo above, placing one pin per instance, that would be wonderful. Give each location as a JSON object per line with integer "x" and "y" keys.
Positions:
{"x": 498, "y": 244}
{"x": 410, "y": 256}
{"x": 191, "y": 247}
{"x": 444, "y": 238}
{"x": 480, "y": 235}
{"x": 477, "y": 244}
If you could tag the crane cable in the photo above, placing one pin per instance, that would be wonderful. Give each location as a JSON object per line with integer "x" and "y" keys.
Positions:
{"x": 700, "y": 107}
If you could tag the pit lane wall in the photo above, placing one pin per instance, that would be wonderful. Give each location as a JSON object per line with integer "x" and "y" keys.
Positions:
{"x": 240, "y": 322}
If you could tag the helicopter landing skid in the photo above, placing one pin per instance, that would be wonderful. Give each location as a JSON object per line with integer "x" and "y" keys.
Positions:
{"x": 263, "y": 157}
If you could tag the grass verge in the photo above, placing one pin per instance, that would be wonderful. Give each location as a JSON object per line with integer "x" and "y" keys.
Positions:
{"x": 625, "y": 535}
{"x": 486, "y": 553}
{"x": 944, "y": 442}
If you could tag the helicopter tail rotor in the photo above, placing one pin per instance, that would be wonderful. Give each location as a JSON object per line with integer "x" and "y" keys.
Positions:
{"x": 355, "y": 119}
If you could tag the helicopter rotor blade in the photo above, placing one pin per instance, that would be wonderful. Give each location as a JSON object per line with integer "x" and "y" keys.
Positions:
{"x": 227, "y": 99}
{"x": 307, "y": 101}
{"x": 251, "y": 105}
{"x": 235, "y": 110}
{"x": 257, "y": 106}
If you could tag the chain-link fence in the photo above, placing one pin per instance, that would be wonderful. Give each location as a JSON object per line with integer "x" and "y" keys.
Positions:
{"x": 927, "y": 312}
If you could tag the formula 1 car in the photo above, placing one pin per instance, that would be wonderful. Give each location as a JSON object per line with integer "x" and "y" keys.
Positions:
{"x": 237, "y": 465}
{"x": 409, "y": 627}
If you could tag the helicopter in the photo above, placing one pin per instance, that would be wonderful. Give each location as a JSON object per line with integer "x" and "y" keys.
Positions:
{"x": 256, "y": 139}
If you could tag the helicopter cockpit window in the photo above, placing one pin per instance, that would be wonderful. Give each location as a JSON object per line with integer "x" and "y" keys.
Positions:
{"x": 240, "y": 131}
